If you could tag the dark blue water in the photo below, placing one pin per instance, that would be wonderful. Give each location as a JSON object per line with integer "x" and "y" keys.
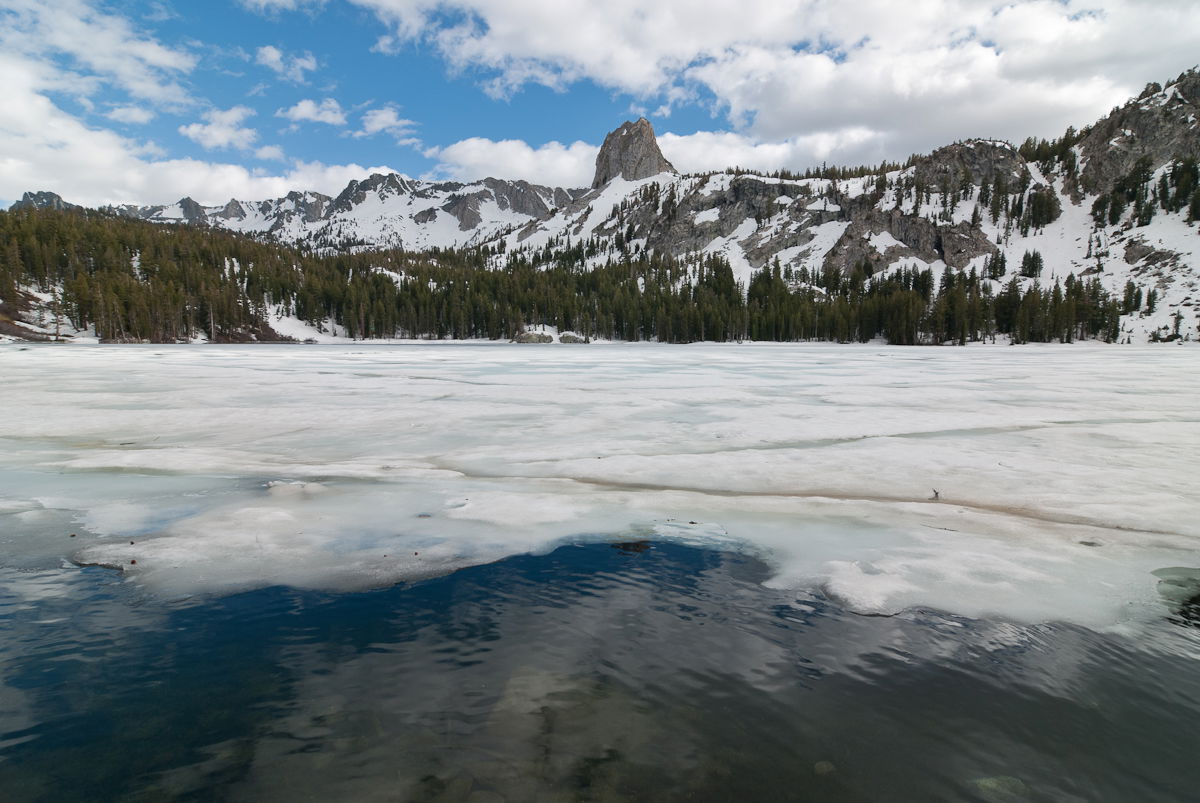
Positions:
{"x": 600, "y": 672}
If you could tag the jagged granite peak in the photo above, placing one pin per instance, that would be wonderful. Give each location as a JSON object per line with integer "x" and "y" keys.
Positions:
{"x": 231, "y": 211}
{"x": 382, "y": 185}
{"x": 310, "y": 205}
{"x": 42, "y": 200}
{"x": 630, "y": 152}
{"x": 192, "y": 212}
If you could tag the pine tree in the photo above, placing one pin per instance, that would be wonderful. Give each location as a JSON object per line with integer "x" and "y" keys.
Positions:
{"x": 1031, "y": 264}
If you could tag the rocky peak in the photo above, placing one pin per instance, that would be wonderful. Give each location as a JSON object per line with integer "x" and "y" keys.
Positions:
{"x": 232, "y": 211}
{"x": 192, "y": 212}
{"x": 630, "y": 152}
{"x": 977, "y": 161}
{"x": 42, "y": 200}
{"x": 310, "y": 205}
{"x": 1161, "y": 125}
{"x": 380, "y": 184}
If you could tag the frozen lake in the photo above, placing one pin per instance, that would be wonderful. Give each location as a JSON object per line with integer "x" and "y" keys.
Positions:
{"x": 1064, "y": 476}
{"x": 1036, "y": 504}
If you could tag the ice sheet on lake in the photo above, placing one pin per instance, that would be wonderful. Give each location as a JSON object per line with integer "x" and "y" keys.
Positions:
{"x": 1065, "y": 475}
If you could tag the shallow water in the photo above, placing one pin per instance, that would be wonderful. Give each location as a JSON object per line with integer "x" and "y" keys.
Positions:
{"x": 601, "y": 672}
{"x": 629, "y": 572}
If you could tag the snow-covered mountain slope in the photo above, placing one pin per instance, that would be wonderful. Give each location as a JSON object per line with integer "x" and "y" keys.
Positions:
{"x": 960, "y": 208}
{"x": 381, "y": 211}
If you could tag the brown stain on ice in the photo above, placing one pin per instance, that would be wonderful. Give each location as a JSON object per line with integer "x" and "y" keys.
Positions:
{"x": 1015, "y": 511}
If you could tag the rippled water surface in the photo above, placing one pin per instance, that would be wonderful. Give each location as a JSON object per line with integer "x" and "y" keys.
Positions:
{"x": 602, "y": 672}
{"x": 473, "y": 573}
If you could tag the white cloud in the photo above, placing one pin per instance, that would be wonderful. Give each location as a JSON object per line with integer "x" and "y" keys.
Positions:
{"x": 553, "y": 164}
{"x": 274, "y": 6}
{"x": 43, "y": 147}
{"x": 716, "y": 150}
{"x": 915, "y": 74}
{"x": 134, "y": 115}
{"x": 269, "y": 153}
{"x": 387, "y": 120}
{"x": 291, "y": 67}
{"x": 327, "y": 111}
{"x": 223, "y": 129}
{"x": 104, "y": 49}
{"x": 160, "y": 13}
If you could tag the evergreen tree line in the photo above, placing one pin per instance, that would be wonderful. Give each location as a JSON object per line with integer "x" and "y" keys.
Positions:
{"x": 138, "y": 281}
{"x": 908, "y": 307}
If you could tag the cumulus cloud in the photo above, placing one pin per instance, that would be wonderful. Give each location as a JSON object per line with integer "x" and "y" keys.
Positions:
{"x": 105, "y": 49}
{"x": 715, "y": 150}
{"x": 222, "y": 129}
{"x": 387, "y": 120}
{"x": 269, "y": 153}
{"x": 552, "y": 164}
{"x": 328, "y": 111}
{"x": 914, "y": 74}
{"x": 291, "y": 68}
{"x": 134, "y": 115}
{"x": 44, "y": 147}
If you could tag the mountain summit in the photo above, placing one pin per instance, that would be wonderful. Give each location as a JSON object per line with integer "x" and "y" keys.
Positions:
{"x": 42, "y": 200}
{"x": 631, "y": 152}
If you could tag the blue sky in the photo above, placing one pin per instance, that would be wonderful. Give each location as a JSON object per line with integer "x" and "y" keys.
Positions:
{"x": 111, "y": 101}
{"x": 445, "y": 104}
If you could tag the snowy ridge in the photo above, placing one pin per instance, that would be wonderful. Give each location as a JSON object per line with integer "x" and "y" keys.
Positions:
{"x": 382, "y": 211}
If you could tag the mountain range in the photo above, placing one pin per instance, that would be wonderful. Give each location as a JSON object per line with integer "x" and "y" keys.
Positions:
{"x": 1116, "y": 201}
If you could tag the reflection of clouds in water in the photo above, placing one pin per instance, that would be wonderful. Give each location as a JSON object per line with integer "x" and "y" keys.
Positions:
{"x": 516, "y": 684}
{"x": 19, "y": 589}
{"x": 646, "y": 676}
{"x": 819, "y": 458}
{"x": 650, "y": 671}
{"x": 54, "y": 619}
{"x": 33, "y": 604}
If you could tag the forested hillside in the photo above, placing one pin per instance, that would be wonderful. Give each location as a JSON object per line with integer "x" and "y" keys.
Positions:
{"x": 132, "y": 281}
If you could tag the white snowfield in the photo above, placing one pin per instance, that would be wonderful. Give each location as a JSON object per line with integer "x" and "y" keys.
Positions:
{"x": 1035, "y": 484}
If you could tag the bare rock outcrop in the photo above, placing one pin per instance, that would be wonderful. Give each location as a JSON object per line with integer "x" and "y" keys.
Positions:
{"x": 977, "y": 161}
{"x": 42, "y": 200}
{"x": 910, "y": 237}
{"x": 630, "y": 152}
{"x": 1163, "y": 124}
